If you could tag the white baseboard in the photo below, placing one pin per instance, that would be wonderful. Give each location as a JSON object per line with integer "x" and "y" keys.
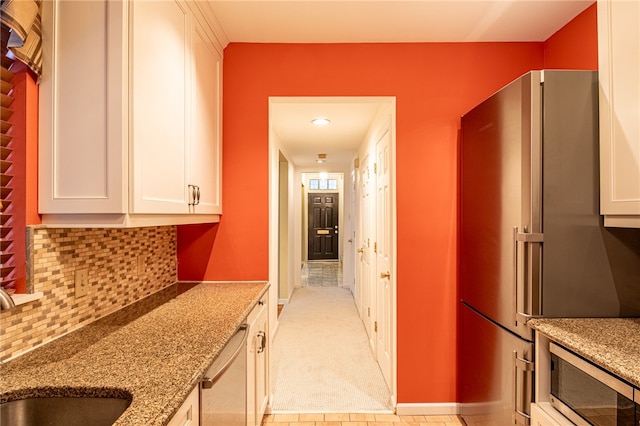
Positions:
{"x": 427, "y": 409}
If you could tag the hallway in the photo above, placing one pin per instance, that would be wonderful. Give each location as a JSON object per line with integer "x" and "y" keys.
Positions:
{"x": 323, "y": 373}
{"x": 321, "y": 362}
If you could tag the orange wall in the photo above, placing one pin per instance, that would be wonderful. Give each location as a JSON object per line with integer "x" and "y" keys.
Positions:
{"x": 24, "y": 131}
{"x": 434, "y": 84}
{"x": 575, "y": 46}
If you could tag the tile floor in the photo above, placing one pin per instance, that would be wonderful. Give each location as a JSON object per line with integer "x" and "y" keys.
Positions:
{"x": 358, "y": 419}
{"x": 321, "y": 274}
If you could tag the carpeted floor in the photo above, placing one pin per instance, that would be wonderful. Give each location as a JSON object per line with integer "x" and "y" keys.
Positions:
{"x": 321, "y": 362}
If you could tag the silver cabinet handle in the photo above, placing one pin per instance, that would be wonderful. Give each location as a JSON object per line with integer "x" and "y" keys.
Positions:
{"x": 195, "y": 195}
{"x": 192, "y": 197}
{"x": 262, "y": 340}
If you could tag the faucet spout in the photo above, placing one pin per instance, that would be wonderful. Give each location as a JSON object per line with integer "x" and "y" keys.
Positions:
{"x": 6, "y": 302}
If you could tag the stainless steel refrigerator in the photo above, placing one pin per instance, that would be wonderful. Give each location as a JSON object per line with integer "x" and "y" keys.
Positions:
{"x": 532, "y": 241}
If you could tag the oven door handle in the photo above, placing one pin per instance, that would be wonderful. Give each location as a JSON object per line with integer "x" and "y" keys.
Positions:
{"x": 207, "y": 383}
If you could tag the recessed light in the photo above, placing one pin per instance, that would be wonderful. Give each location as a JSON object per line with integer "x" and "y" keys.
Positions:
{"x": 321, "y": 121}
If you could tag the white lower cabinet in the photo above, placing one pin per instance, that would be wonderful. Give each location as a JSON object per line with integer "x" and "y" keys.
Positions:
{"x": 258, "y": 363}
{"x": 130, "y": 114}
{"x": 540, "y": 417}
{"x": 188, "y": 414}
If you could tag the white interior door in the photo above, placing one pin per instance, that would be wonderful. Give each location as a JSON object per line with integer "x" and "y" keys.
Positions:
{"x": 383, "y": 257}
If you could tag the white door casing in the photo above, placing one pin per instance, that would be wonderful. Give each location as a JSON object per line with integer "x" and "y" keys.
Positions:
{"x": 365, "y": 230}
{"x": 384, "y": 253}
{"x": 366, "y": 238}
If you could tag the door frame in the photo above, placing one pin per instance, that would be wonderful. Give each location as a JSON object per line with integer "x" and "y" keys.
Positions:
{"x": 388, "y": 114}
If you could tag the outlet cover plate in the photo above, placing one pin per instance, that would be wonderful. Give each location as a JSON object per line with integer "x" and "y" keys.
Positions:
{"x": 81, "y": 282}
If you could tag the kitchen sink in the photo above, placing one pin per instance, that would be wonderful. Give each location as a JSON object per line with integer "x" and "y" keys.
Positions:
{"x": 58, "y": 411}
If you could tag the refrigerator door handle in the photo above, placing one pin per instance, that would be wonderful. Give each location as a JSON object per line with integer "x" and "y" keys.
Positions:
{"x": 515, "y": 276}
{"x": 526, "y": 238}
{"x": 529, "y": 237}
{"x": 526, "y": 366}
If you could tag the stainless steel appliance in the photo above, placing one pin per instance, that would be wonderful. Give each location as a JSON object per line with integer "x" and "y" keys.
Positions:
{"x": 223, "y": 391}
{"x": 587, "y": 395}
{"x": 532, "y": 241}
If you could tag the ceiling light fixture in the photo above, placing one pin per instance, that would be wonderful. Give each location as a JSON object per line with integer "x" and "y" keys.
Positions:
{"x": 321, "y": 158}
{"x": 321, "y": 121}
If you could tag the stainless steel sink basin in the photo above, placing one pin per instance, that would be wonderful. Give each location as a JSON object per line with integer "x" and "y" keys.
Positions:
{"x": 67, "y": 411}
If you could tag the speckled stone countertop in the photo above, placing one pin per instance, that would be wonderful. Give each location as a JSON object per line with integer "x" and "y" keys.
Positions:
{"x": 612, "y": 343}
{"x": 154, "y": 351}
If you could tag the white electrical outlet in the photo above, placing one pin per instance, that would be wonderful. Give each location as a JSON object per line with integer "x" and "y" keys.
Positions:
{"x": 142, "y": 264}
{"x": 82, "y": 282}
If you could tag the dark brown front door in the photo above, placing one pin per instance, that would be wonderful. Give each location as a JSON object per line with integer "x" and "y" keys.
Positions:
{"x": 323, "y": 226}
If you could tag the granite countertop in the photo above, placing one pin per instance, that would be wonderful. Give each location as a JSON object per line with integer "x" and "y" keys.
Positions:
{"x": 611, "y": 343}
{"x": 154, "y": 351}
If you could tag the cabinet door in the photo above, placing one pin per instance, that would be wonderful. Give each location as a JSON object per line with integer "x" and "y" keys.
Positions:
{"x": 81, "y": 154}
{"x": 262, "y": 364}
{"x": 619, "y": 68}
{"x": 257, "y": 363}
{"x": 205, "y": 166}
{"x": 188, "y": 413}
{"x": 159, "y": 58}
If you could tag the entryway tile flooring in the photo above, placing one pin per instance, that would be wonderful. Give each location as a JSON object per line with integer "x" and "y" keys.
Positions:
{"x": 321, "y": 274}
{"x": 358, "y": 419}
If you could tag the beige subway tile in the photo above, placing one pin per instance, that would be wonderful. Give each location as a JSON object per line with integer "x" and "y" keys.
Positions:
{"x": 362, "y": 417}
{"x": 311, "y": 417}
{"x": 440, "y": 419}
{"x": 336, "y": 417}
{"x": 286, "y": 418}
{"x": 391, "y": 418}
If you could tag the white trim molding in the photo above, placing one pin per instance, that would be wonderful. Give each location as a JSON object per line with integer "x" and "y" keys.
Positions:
{"x": 427, "y": 409}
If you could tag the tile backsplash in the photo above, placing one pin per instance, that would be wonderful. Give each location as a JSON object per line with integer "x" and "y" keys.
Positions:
{"x": 123, "y": 265}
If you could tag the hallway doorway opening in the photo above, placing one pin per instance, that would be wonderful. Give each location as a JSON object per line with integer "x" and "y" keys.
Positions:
{"x": 349, "y": 223}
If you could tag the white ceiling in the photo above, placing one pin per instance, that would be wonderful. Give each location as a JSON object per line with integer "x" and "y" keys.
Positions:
{"x": 362, "y": 21}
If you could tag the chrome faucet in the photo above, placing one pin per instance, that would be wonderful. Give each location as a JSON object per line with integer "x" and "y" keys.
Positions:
{"x": 6, "y": 302}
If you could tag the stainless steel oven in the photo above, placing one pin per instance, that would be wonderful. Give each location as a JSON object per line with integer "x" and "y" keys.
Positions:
{"x": 588, "y": 395}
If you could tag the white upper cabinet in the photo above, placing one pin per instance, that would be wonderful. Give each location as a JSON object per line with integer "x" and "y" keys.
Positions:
{"x": 206, "y": 118}
{"x": 159, "y": 64}
{"x": 130, "y": 116}
{"x": 619, "y": 74}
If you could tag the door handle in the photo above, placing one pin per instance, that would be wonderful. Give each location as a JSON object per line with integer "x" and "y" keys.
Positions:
{"x": 384, "y": 275}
